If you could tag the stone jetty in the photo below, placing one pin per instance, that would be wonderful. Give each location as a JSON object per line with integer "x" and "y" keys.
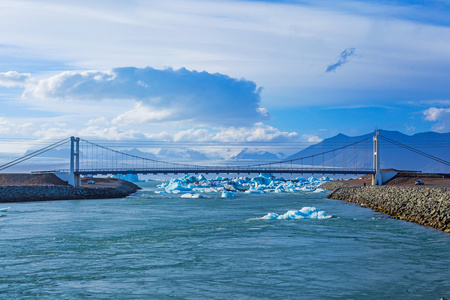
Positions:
{"x": 21, "y": 187}
{"x": 21, "y": 193}
{"x": 425, "y": 206}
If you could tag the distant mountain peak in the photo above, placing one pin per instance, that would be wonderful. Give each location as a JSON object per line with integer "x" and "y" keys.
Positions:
{"x": 255, "y": 155}
{"x": 392, "y": 156}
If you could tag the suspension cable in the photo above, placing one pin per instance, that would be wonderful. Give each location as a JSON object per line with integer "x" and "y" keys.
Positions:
{"x": 126, "y": 155}
{"x": 305, "y": 157}
{"x": 440, "y": 160}
{"x": 33, "y": 154}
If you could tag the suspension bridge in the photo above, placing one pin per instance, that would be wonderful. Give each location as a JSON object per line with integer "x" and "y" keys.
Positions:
{"x": 89, "y": 158}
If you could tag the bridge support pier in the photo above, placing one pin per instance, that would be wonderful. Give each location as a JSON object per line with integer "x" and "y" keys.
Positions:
{"x": 376, "y": 178}
{"x": 74, "y": 179}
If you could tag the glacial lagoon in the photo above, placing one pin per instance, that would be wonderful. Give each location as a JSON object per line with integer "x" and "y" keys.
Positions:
{"x": 164, "y": 246}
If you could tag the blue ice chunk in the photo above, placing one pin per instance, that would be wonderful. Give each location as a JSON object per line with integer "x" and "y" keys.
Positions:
{"x": 304, "y": 213}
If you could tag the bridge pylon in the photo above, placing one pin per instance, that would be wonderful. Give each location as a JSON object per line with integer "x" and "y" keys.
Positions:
{"x": 74, "y": 179}
{"x": 376, "y": 178}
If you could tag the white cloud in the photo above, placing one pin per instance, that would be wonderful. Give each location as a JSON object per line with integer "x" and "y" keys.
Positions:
{"x": 141, "y": 114}
{"x": 311, "y": 138}
{"x": 434, "y": 114}
{"x": 159, "y": 136}
{"x": 71, "y": 85}
{"x": 13, "y": 79}
{"x": 98, "y": 121}
{"x": 258, "y": 133}
{"x": 172, "y": 95}
{"x": 263, "y": 111}
{"x": 199, "y": 135}
{"x": 111, "y": 133}
{"x": 9, "y": 128}
{"x": 439, "y": 115}
{"x": 60, "y": 131}
{"x": 410, "y": 129}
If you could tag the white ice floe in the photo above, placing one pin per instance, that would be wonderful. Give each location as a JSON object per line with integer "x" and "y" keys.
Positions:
{"x": 304, "y": 213}
{"x": 307, "y": 188}
{"x": 312, "y": 179}
{"x": 194, "y": 196}
{"x": 262, "y": 184}
{"x": 4, "y": 209}
{"x": 227, "y": 194}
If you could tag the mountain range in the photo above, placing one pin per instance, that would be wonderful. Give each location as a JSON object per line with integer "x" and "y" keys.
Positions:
{"x": 248, "y": 154}
{"x": 391, "y": 154}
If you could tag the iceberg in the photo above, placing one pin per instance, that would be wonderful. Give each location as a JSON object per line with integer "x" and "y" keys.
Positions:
{"x": 189, "y": 179}
{"x": 312, "y": 179}
{"x": 193, "y": 196}
{"x": 201, "y": 178}
{"x": 324, "y": 178}
{"x": 177, "y": 186}
{"x": 262, "y": 180}
{"x": 255, "y": 191}
{"x": 227, "y": 194}
{"x": 129, "y": 177}
{"x": 304, "y": 213}
{"x": 207, "y": 190}
{"x": 256, "y": 185}
{"x": 307, "y": 188}
{"x": 267, "y": 175}
{"x": 162, "y": 185}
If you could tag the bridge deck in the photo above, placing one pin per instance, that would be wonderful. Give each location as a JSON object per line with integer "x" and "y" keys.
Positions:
{"x": 223, "y": 171}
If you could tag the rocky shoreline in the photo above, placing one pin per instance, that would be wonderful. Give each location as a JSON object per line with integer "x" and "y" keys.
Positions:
{"x": 425, "y": 206}
{"x": 23, "y": 193}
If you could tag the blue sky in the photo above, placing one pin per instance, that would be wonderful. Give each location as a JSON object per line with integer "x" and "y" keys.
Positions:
{"x": 225, "y": 70}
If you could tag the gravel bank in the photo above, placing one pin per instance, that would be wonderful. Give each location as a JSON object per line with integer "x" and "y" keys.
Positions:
{"x": 14, "y": 193}
{"x": 425, "y": 206}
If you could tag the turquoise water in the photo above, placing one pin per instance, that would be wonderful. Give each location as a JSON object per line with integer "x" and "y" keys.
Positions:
{"x": 162, "y": 246}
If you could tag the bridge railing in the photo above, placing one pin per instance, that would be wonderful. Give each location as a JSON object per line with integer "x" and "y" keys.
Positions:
{"x": 224, "y": 170}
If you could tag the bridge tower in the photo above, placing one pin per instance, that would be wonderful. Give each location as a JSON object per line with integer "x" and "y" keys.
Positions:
{"x": 74, "y": 179}
{"x": 376, "y": 178}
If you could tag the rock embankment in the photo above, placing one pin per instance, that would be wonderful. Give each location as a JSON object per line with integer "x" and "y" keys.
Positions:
{"x": 334, "y": 185}
{"x": 425, "y": 206}
{"x": 13, "y": 193}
